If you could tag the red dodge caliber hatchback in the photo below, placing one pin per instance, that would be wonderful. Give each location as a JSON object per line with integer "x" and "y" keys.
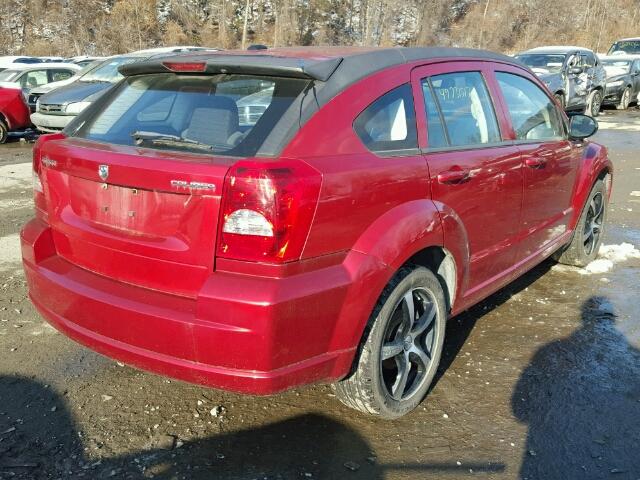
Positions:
{"x": 254, "y": 221}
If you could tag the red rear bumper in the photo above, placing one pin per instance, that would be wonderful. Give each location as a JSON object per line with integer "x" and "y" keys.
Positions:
{"x": 242, "y": 333}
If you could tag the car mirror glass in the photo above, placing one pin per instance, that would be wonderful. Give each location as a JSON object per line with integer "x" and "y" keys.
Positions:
{"x": 582, "y": 126}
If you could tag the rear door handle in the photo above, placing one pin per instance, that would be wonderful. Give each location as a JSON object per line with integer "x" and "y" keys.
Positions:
{"x": 453, "y": 176}
{"x": 535, "y": 162}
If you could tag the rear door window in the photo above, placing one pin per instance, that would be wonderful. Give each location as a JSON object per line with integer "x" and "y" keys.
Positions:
{"x": 388, "y": 125}
{"x": 533, "y": 114}
{"x": 466, "y": 108}
{"x": 58, "y": 75}
{"x": 34, "y": 79}
{"x": 223, "y": 114}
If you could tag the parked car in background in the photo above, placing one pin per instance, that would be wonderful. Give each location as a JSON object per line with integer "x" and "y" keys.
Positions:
{"x": 327, "y": 237}
{"x": 84, "y": 60}
{"x": 33, "y": 75}
{"x": 573, "y": 74}
{"x": 35, "y": 93}
{"x": 15, "y": 83}
{"x": 14, "y": 112}
{"x": 52, "y": 59}
{"x": 625, "y": 46}
{"x": 623, "y": 80}
{"x": 10, "y": 61}
{"x": 56, "y": 109}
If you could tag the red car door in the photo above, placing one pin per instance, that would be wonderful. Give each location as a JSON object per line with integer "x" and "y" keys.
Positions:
{"x": 550, "y": 160}
{"x": 475, "y": 176}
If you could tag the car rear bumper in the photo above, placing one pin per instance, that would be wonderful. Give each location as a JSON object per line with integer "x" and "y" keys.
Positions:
{"x": 242, "y": 333}
{"x": 50, "y": 123}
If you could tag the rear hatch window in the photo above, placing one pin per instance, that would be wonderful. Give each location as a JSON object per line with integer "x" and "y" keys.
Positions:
{"x": 221, "y": 114}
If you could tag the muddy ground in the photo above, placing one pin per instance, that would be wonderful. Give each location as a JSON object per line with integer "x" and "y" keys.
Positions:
{"x": 541, "y": 381}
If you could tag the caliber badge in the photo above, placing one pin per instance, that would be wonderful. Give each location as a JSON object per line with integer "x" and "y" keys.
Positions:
{"x": 103, "y": 171}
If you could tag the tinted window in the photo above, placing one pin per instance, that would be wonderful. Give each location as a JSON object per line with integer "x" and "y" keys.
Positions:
{"x": 466, "y": 108}
{"x": 631, "y": 47}
{"x": 435, "y": 129}
{"x": 588, "y": 60}
{"x": 389, "y": 123}
{"x": 57, "y": 75}
{"x": 543, "y": 63}
{"x": 197, "y": 113}
{"x": 533, "y": 114}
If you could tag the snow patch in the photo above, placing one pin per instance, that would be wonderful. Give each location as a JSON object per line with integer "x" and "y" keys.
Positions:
{"x": 619, "y": 253}
{"x": 608, "y": 256}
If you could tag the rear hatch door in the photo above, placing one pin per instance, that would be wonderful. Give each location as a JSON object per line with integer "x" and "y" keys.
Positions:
{"x": 137, "y": 215}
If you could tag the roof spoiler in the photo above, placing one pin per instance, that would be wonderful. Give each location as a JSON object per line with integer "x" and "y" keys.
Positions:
{"x": 242, "y": 64}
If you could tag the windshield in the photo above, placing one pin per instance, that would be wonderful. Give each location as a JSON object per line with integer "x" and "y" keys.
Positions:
{"x": 224, "y": 114}
{"x": 543, "y": 63}
{"x": 616, "y": 67}
{"x": 631, "y": 47}
{"x": 107, "y": 71}
{"x": 9, "y": 75}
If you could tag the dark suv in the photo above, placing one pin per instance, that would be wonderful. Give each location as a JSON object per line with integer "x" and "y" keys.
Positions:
{"x": 326, "y": 237}
{"x": 573, "y": 74}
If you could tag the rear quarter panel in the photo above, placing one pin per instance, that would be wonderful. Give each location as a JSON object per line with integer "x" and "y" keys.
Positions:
{"x": 377, "y": 209}
{"x": 14, "y": 109}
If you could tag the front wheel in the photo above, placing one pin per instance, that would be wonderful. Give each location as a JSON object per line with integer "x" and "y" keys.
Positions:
{"x": 594, "y": 103}
{"x": 587, "y": 237}
{"x": 401, "y": 347}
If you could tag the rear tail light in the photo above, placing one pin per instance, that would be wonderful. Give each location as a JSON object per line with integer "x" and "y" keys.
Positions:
{"x": 267, "y": 210}
{"x": 38, "y": 191}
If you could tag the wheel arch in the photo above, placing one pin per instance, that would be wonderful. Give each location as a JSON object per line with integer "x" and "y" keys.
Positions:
{"x": 442, "y": 263}
{"x": 411, "y": 232}
{"x": 5, "y": 120}
{"x": 595, "y": 165}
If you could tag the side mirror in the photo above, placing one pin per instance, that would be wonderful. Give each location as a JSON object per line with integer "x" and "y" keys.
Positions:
{"x": 582, "y": 126}
{"x": 576, "y": 70}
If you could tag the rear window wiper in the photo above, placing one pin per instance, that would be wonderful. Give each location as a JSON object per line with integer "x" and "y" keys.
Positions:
{"x": 167, "y": 139}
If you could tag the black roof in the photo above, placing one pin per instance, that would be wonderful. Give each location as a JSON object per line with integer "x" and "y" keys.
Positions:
{"x": 318, "y": 63}
{"x": 333, "y": 69}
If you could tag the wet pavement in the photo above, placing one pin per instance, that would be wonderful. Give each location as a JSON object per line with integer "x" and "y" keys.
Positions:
{"x": 540, "y": 381}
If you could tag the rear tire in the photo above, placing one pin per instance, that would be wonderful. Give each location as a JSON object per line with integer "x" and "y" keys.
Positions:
{"x": 405, "y": 334}
{"x": 594, "y": 103}
{"x": 4, "y": 132}
{"x": 587, "y": 237}
{"x": 625, "y": 99}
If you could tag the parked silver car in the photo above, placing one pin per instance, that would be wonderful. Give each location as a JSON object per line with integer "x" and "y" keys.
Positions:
{"x": 574, "y": 75}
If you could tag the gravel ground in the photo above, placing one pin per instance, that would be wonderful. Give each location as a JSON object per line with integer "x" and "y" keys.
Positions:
{"x": 540, "y": 381}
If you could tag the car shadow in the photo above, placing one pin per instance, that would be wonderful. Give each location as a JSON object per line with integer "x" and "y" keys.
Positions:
{"x": 40, "y": 439}
{"x": 580, "y": 398}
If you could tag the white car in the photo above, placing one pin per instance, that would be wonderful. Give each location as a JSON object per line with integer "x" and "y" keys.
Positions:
{"x": 9, "y": 61}
{"x": 36, "y": 93}
{"x": 32, "y": 75}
